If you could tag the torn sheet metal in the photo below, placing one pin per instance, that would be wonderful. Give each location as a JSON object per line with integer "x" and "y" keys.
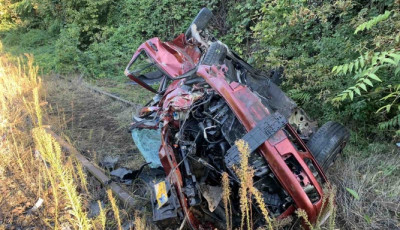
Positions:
{"x": 213, "y": 195}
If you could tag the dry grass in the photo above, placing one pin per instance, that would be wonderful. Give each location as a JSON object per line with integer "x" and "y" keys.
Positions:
{"x": 96, "y": 124}
{"x": 226, "y": 193}
{"x": 328, "y": 207}
{"x": 33, "y": 166}
{"x": 102, "y": 218}
{"x": 373, "y": 173}
{"x": 140, "y": 222}
{"x": 115, "y": 208}
{"x": 247, "y": 191}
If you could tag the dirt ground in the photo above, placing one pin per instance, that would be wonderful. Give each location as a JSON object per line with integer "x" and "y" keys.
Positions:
{"x": 95, "y": 124}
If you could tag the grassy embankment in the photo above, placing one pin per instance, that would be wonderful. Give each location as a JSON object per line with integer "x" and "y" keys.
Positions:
{"x": 42, "y": 186}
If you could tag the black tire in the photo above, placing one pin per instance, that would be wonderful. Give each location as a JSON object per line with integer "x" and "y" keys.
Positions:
{"x": 231, "y": 74}
{"x": 201, "y": 21}
{"x": 215, "y": 55}
{"x": 328, "y": 142}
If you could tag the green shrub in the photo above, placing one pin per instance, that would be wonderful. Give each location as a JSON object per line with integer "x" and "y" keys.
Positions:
{"x": 97, "y": 38}
{"x": 310, "y": 39}
{"x": 67, "y": 54}
{"x": 34, "y": 38}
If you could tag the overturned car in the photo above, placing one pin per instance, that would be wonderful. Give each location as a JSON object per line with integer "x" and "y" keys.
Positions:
{"x": 208, "y": 98}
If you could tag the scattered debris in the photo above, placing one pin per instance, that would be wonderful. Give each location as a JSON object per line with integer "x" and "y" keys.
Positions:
{"x": 127, "y": 176}
{"x": 96, "y": 172}
{"x": 122, "y": 174}
{"x": 109, "y": 162}
{"x": 94, "y": 209}
{"x": 213, "y": 195}
{"x": 37, "y": 205}
{"x": 152, "y": 174}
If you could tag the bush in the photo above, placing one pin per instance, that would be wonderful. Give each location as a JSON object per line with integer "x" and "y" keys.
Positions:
{"x": 309, "y": 40}
{"x": 97, "y": 38}
{"x": 67, "y": 54}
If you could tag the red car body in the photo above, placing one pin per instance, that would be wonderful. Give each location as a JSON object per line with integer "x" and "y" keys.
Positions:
{"x": 177, "y": 57}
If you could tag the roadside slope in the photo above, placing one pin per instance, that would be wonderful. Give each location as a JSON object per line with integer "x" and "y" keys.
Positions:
{"x": 96, "y": 125}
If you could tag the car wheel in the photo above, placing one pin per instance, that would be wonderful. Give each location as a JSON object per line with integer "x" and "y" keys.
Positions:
{"x": 215, "y": 55}
{"x": 201, "y": 21}
{"x": 328, "y": 142}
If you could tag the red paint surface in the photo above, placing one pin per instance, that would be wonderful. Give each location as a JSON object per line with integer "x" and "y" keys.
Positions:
{"x": 177, "y": 57}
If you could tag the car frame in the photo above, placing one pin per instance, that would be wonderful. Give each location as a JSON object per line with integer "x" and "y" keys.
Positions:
{"x": 182, "y": 60}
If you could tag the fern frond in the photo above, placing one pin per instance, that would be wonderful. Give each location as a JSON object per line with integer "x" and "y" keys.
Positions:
{"x": 354, "y": 66}
{"x": 299, "y": 95}
{"x": 394, "y": 98}
{"x": 390, "y": 124}
{"x": 375, "y": 20}
{"x": 366, "y": 74}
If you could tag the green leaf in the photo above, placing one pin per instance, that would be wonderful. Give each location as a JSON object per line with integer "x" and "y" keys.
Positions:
{"x": 367, "y": 218}
{"x": 373, "y": 76}
{"x": 388, "y": 108}
{"x": 368, "y": 82}
{"x": 388, "y": 60}
{"x": 396, "y": 72}
{"x": 395, "y": 56}
{"x": 372, "y": 22}
{"x": 388, "y": 96}
{"x": 356, "y": 65}
{"x": 334, "y": 68}
{"x": 362, "y": 61}
{"x": 362, "y": 86}
{"x": 339, "y": 68}
{"x": 357, "y": 90}
{"x": 353, "y": 193}
{"x": 351, "y": 67}
{"x": 384, "y": 107}
{"x": 345, "y": 68}
{"x": 351, "y": 94}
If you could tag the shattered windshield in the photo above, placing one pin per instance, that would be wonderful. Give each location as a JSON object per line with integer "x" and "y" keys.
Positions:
{"x": 144, "y": 67}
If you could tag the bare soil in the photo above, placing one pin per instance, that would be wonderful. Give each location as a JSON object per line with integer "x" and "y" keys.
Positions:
{"x": 95, "y": 124}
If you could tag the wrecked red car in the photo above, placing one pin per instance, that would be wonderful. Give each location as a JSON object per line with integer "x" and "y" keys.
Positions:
{"x": 207, "y": 98}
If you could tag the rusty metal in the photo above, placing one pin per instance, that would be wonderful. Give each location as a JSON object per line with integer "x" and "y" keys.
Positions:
{"x": 96, "y": 172}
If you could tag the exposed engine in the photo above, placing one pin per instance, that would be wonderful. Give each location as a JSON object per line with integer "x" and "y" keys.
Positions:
{"x": 204, "y": 134}
{"x": 209, "y": 98}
